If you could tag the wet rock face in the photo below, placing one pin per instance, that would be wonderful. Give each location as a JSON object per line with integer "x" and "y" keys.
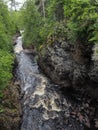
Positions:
{"x": 70, "y": 65}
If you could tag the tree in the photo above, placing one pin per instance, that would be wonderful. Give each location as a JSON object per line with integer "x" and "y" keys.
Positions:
{"x": 81, "y": 19}
{"x": 41, "y": 7}
{"x": 55, "y": 9}
{"x": 78, "y": 18}
{"x": 32, "y": 23}
{"x": 6, "y": 57}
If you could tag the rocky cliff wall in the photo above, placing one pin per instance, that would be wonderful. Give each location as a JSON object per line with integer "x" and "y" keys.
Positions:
{"x": 70, "y": 65}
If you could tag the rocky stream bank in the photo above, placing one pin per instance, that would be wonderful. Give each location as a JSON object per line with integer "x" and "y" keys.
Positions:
{"x": 75, "y": 68}
{"x": 66, "y": 100}
{"x": 10, "y": 114}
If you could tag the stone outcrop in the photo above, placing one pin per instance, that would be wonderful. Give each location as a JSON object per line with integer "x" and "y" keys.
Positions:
{"x": 10, "y": 109}
{"x": 70, "y": 65}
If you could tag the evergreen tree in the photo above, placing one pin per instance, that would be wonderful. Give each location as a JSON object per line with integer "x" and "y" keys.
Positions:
{"x": 32, "y": 23}
{"x": 6, "y": 58}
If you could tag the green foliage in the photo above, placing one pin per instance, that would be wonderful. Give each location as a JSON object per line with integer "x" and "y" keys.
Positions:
{"x": 32, "y": 23}
{"x": 81, "y": 19}
{"x": 55, "y": 10}
{"x": 45, "y": 31}
{"x": 74, "y": 20}
{"x": 37, "y": 27}
{"x": 6, "y": 19}
{"x": 6, "y": 61}
{"x": 4, "y": 38}
{"x": 7, "y": 28}
{"x": 17, "y": 19}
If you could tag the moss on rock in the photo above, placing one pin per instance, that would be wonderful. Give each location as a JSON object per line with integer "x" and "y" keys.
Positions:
{"x": 11, "y": 109}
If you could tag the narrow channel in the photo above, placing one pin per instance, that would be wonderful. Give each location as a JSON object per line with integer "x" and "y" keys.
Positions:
{"x": 44, "y": 107}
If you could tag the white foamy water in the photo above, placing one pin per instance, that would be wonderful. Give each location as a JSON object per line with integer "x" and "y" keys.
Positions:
{"x": 95, "y": 53}
{"x": 18, "y": 47}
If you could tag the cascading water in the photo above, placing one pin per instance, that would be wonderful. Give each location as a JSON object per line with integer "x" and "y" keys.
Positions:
{"x": 18, "y": 47}
{"x": 44, "y": 107}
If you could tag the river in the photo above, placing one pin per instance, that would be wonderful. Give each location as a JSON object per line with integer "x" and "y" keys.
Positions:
{"x": 44, "y": 107}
